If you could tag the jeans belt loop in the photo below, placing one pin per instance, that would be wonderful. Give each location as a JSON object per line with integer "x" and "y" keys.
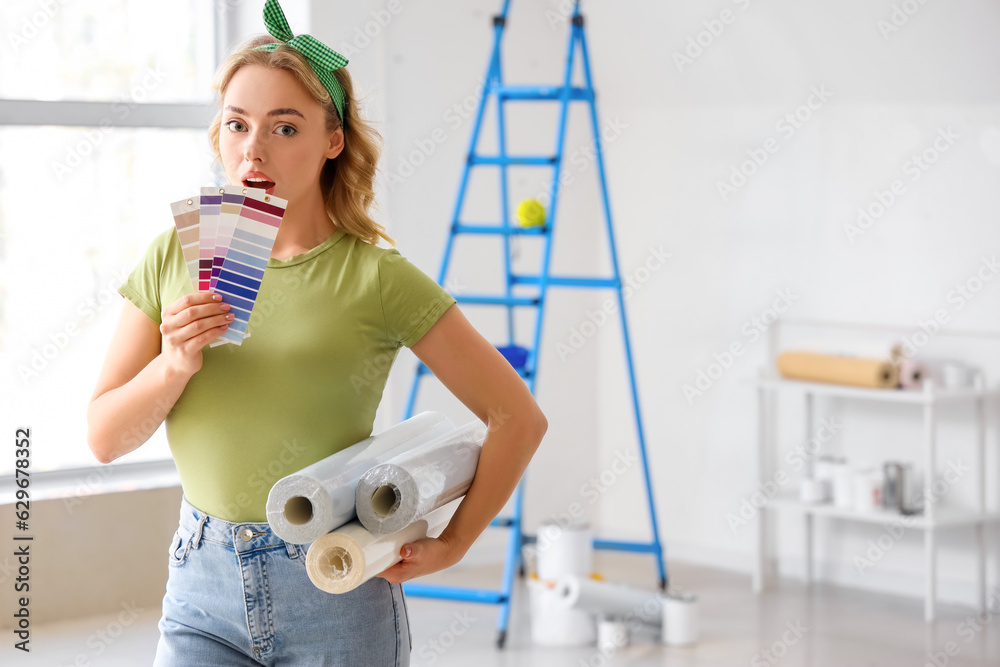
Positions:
{"x": 196, "y": 538}
{"x": 292, "y": 551}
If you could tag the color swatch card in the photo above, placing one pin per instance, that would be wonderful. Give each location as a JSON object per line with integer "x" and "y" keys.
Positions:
{"x": 229, "y": 214}
{"x": 210, "y": 201}
{"x": 186, "y": 219}
{"x": 246, "y": 257}
{"x": 227, "y": 235}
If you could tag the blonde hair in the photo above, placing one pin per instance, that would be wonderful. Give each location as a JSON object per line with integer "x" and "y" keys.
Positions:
{"x": 346, "y": 181}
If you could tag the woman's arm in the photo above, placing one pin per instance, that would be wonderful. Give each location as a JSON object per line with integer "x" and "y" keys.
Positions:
{"x": 139, "y": 383}
{"x": 479, "y": 376}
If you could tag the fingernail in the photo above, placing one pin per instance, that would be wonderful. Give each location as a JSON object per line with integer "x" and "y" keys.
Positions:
{"x": 406, "y": 552}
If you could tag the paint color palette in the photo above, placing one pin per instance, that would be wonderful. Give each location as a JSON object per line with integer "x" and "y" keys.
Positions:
{"x": 246, "y": 257}
{"x": 226, "y": 235}
{"x": 229, "y": 214}
{"x": 186, "y": 219}
{"x": 211, "y": 198}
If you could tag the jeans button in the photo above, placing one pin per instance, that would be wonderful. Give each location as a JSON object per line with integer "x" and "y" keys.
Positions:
{"x": 246, "y": 534}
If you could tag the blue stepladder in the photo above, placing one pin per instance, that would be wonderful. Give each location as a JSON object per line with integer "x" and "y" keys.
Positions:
{"x": 525, "y": 360}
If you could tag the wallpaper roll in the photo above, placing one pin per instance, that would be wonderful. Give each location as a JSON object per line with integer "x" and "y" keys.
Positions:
{"x": 853, "y": 371}
{"x": 612, "y": 634}
{"x": 553, "y": 624}
{"x": 319, "y": 498}
{"x": 341, "y": 561}
{"x": 680, "y": 620}
{"x": 615, "y": 600}
{"x": 866, "y": 348}
{"x": 911, "y": 374}
{"x": 394, "y": 494}
{"x": 564, "y": 549}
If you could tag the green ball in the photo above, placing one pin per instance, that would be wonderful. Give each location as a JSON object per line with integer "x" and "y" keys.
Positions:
{"x": 531, "y": 213}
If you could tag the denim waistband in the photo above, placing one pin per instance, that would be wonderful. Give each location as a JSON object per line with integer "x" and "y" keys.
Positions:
{"x": 243, "y": 537}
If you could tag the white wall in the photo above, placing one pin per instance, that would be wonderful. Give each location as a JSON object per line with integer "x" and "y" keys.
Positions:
{"x": 681, "y": 129}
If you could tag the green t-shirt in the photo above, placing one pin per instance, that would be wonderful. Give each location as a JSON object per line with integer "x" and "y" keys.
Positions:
{"x": 325, "y": 329}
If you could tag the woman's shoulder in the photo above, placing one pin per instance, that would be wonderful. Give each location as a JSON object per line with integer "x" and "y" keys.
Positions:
{"x": 376, "y": 257}
{"x": 162, "y": 245}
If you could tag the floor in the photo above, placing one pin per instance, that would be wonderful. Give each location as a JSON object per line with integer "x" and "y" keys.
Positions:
{"x": 826, "y": 626}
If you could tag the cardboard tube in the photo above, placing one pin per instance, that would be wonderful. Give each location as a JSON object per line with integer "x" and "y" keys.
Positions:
{"x": 852, "y": 371}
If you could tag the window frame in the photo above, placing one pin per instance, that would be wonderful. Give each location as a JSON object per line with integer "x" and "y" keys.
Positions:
{"x": 67, "y": 483}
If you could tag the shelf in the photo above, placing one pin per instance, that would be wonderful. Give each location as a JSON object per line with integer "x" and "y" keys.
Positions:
{"x": 920, "y": 397}
{"x": 943, "y": 516}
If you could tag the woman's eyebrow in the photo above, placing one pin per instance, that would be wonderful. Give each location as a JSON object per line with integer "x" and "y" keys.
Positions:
{"x": 272, "y": 112}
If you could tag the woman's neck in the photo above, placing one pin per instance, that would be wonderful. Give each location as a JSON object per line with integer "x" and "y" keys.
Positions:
{"x": 304, "y": 226}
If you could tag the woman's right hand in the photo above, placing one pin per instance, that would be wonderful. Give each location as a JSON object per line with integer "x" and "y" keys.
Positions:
{"x": 188, "y": 325}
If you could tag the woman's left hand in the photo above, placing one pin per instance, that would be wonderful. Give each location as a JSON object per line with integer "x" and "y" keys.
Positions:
{"x": 423, "y": 556}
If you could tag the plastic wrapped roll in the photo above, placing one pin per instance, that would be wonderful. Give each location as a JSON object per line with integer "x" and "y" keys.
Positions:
{"x": 853, "y": 371}
{"x": 319, "y": 498}
{"x": 341, "y": 561}
{"x": 615, "y": 600}
{"x": 407, "y": 487}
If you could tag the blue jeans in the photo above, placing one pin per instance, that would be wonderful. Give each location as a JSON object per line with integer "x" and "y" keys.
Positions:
{"x": 237, "y": 594}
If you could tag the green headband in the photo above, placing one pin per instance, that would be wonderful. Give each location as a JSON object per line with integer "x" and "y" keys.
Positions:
{"x": 321, "y": 57}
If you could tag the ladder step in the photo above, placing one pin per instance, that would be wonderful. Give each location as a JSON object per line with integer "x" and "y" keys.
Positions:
{"x": 507, "y": 230}
{"x": 538, "y": 93}
{"x": 567, "y": 281}
{"x": 638, "y": 547}
{"x": 491, "y": 300}
{"x": 522, "y": 160}
{"x": 454, "y": 593}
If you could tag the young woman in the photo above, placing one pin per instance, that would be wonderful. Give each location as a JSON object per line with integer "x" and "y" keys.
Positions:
{"x": 332, "y": 312}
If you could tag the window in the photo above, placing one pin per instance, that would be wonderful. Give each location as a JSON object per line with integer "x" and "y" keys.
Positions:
{"x": 104, "y": 111}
